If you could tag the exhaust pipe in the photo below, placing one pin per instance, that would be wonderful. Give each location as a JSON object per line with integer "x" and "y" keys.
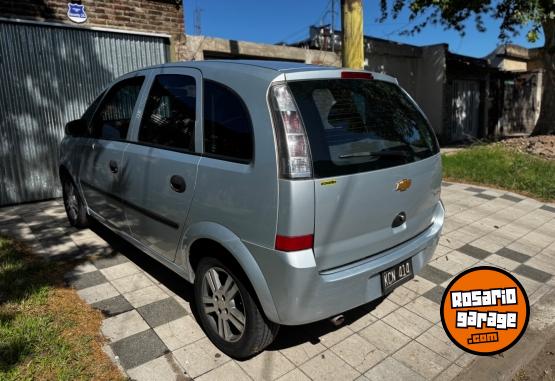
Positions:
{"x": 337, "y": 320}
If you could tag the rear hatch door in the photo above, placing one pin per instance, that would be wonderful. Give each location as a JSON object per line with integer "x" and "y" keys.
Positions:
{"x": 376, "y": 166}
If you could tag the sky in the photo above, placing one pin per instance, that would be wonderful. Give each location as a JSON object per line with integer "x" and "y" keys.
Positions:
{"x": 267, "y": 21}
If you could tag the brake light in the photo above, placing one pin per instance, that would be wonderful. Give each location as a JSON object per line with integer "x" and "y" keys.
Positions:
{"x": 293, "y": 148}
{"x": 356, "y": 75}
{"x": 284, "y": 243}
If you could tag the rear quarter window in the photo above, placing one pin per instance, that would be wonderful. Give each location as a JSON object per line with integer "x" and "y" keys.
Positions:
{"x": 359, "y": 125}
{"x": 228, "y": 132}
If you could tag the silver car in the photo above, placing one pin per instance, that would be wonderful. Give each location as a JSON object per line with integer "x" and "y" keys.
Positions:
{"x": 286, "y": 193}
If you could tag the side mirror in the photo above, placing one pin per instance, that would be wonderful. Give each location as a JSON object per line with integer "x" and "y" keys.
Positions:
{"x": 76, "y": 127}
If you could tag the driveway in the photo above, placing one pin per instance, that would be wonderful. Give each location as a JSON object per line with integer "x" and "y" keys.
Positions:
{"x": 153, "y": 334}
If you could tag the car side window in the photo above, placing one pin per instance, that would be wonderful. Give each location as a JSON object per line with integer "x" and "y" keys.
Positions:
{"x": 113, "y": 116}
{"x": 170, "y": 112}
{"x": 228, "y": 129}
{"x": 88, "y": 114}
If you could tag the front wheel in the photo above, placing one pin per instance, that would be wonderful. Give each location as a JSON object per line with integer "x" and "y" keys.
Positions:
{"x": 228, "y": 311}
{"x": 74, "y": 206}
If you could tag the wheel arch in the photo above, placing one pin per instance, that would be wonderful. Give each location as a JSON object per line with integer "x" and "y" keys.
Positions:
{"x": 223, "y": 243}
{"x": 65, "y": 173}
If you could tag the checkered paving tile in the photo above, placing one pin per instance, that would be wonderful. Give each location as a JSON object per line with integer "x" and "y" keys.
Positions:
{"x": 474, "y": 190}
{"x": 485, "y": 196}
{"x": 508, "y": 197}
{"x": 153, "y": 334}
{"x": 548, "y": 208}
{"x": 513, "y": 255}
{"x": 435, "y": 294}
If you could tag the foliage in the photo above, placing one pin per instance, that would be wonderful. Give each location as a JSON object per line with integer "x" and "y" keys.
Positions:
{"x": 500, "y": 167}
{"x": 46, "y": 331}
{"x": 453, "y": 14}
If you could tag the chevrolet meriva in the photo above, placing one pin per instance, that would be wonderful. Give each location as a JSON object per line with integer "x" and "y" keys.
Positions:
{"x": 287, "y": 193}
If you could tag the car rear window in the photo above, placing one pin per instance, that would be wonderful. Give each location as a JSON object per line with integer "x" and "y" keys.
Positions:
{"x": 358, "y": 125}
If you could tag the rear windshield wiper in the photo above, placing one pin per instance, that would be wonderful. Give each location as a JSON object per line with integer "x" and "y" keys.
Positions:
{"x": 402, "y": 154}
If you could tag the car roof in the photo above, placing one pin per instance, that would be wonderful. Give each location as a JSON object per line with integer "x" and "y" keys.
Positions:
{"x": 270, "y": 70}
{"x": 279, "y": 66}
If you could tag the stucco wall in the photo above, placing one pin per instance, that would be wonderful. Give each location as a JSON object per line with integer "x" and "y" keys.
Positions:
{"x": 421, "y": 71}
{"x": 430, "y": 88}
{"x": 398, "y": 60}
{"x": 197, "y": 47}
{"x": 512, "y": 65}
{"x": 405, "y": 69}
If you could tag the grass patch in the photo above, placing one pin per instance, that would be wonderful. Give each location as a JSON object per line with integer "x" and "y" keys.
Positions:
{"x": 502, "y": 168}
{"x": 46, "y": 331}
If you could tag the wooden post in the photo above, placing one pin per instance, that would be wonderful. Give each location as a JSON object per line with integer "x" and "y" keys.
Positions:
{"x": 353, "y": 34}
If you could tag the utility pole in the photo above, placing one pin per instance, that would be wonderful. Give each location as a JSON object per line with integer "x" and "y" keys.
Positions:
{"x": 198, "y": 21}
{"x": 353, "y": 34}
{"x": 332, "y": 25}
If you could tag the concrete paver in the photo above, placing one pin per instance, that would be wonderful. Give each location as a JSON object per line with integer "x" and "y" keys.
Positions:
{"x": 152, "y": 332}
{"x": 132, "y": 283}
{"x": 301, "y": 353}
{"x": 97, "y": 293}
{"x": 358, "y": 353}
{"x": 144, "y": 296}
{"x": 138, "y": 349}
{"x": 268, "y": 365}
{"x": 200, "y": 357}
{"x": 392, "y": 369}
{"x": 123, "y": 325}
{"x": 180, "y": 332}
{"x": 329, "y": 366}
{"x": 229, "y": 371}
{"x": 161, "y": 368}
{"x": 384, "y": 337}
{"x": 407, "y": 322}
{"x": 421, "y": 359}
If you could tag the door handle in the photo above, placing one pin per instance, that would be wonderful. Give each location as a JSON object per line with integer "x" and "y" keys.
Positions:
{"x": 113, "y": 166}
{"x": 177, "y": 183}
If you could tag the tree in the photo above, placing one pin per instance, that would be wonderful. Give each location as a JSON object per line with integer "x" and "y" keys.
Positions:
{"x": 532, "y": 16}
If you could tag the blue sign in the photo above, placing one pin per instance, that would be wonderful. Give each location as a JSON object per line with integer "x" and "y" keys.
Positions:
{"x": 76, "y": 13}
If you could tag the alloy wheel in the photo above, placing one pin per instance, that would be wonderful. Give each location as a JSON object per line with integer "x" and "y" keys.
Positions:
{"x": 223, "y": 304}
{"x": 71, "y": 202}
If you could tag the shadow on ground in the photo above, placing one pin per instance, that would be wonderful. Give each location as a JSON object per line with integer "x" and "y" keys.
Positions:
{"x": 288, "y": 336}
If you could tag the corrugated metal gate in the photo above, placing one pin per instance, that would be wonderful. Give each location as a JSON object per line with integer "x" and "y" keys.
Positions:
{"x": 48, "y": 76}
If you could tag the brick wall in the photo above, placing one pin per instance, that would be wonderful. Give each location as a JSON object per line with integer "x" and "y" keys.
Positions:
{"x": 157, "y": 16}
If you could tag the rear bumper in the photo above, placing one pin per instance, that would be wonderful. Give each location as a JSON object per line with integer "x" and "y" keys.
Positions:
{"x": 302, "y": 295}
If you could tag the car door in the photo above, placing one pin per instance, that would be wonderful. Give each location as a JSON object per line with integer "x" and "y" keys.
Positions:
{"x": 159, "y": 166}
{"x": 100, "y": 169}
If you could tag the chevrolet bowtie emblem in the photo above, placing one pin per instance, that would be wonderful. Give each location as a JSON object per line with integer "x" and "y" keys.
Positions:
{"x": 403, "y": 185}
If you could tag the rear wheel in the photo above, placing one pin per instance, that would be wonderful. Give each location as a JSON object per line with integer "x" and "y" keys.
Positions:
{"x": 228, "y": 311}
{"x": 74, "y": 206}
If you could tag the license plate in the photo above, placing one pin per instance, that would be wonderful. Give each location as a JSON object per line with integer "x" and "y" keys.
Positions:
{"x": 396, "y": 276}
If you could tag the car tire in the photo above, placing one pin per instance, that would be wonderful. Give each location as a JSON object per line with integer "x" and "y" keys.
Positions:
{"x": 228, "y": 310}
{"x": 75, "y": 208}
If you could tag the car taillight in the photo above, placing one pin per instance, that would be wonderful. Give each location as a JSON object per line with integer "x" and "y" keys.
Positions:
{"x": 294, "y": 152}
{"x": 285, "y": 243}
{"x": 356, "y": 75}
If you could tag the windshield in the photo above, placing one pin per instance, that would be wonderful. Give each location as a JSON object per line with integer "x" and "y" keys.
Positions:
{"x": 357, "y": 125}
